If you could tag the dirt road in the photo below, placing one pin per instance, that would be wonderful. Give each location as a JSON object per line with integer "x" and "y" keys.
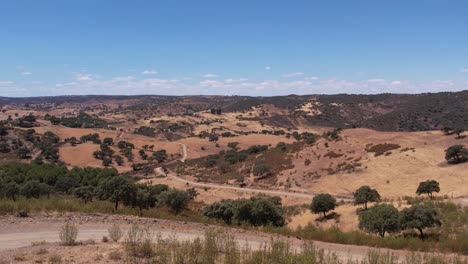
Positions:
{"x": 21, "y": 232}
{"x": 184, "y": 152}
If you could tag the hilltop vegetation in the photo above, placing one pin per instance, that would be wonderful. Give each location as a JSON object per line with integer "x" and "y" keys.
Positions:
{"x": 386, "y": 112}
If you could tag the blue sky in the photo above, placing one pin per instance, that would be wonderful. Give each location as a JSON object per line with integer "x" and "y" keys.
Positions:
{"x": 232, "y": 47}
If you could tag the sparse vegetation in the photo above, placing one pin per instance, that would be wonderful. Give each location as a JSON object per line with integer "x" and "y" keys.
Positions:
{"x": 68, "y": 234}
{"x": 115, "y": 232}
{"x": 381, "y": 149}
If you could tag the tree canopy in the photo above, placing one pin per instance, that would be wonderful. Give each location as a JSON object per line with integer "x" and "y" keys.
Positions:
{"x": 323, "y": 203}
{"x": 456, "y": 154}
{"x": 420, "y": 216}
{"x": 365, "y": 194}
{"x": 380, "y": 219}
{"x": 428, "y": 187}
{"x": 257, "y": 211}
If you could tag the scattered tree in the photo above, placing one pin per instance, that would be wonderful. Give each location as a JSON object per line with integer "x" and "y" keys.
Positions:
{"x": 365, "y": 194}
{"x": 119, "y": 160}
{"x": 428, "y": 187}
{"x": 420, "y": 216}
{"x": 117, "y": 189}
{"x": 456, "y": 154}
{"x": 323, "y": 203}
{"x": 380, "y": 219}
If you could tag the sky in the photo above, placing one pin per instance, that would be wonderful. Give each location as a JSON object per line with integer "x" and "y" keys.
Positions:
{"x": 241, "y": 47}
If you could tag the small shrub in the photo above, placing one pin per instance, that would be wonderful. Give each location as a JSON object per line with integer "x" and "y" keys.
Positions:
{"x": 115, "y": 255}
{"x": 55, "y": 259}
{"x": 115, "y": 233}
{"x": 139, "y": 242}
{"x": 19, "y": 257}
{"x": 41, "y": 251}
{"x": 68, "y": 234}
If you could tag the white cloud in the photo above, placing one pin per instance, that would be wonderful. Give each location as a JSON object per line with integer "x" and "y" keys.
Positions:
{"x": 86, "y": 83}
{"x": 5, "y": 83}
{"x": 210, "y": 75}
{"x": 83, "y": 77}
{"x": 267, "y": 68}
{"x": 212, "y": 84}
{"x": 378, "y": 81}
{"x": 24, "y": 73}
{"x": 293, "y": 74}
{"x": 123, "y": 79}
{"x": 464, "y": 70}
{"x": 149, "y": 72}
{"x": 235, "y": 80}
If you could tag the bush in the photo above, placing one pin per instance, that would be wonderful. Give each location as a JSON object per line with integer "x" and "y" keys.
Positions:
{"x": 261, "y": 169}
{"x": 176, "y": 200}
{"x": 115, "y": 255}
{"x": 55, "y": 259}
{"x": 68, "y": 234}
{"x": 381, "y": 149}
{"x": 139, "y": 242}
{"x": 115, "y": 233}
{"x": 160, "y": 155}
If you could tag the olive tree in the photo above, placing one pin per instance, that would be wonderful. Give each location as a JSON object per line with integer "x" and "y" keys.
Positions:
{"x": 323, "y": 203}
{"x": 365, "y": 194}
{"x": 420, "y": 216}
{"x": 380, "y": 219}
{"x": 428, "y": 187}
{"x": 117, "y": 189}
{"x": 456, "y": 154}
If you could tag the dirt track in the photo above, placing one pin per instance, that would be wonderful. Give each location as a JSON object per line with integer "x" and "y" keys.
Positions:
{"x": 21, "y": 232}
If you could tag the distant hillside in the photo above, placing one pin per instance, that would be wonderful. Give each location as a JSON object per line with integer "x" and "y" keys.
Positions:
{"x": 386, "y": 112}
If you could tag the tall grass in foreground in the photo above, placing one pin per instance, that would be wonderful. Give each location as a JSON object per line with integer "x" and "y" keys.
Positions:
{"x": 217, "y": 247}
